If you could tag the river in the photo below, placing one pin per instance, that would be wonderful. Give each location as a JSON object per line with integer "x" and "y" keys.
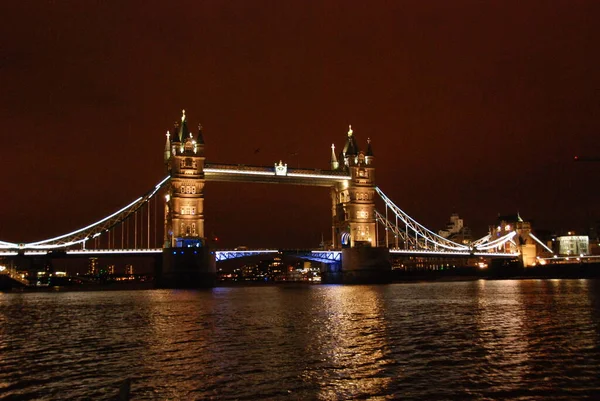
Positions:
{"x": 512, "y": 339}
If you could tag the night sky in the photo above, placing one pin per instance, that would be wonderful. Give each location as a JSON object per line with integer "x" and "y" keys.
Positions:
{"x": 474, "y": 107}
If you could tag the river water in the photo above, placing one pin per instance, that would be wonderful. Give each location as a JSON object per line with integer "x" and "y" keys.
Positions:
{"x": 528, "y": 339}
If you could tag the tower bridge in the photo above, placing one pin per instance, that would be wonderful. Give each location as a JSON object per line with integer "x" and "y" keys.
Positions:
{"x": 362, "y": 237}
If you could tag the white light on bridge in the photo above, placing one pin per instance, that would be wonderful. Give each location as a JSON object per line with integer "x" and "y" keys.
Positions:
{"x": 216, "y": 170}
{"x": 323, "y": 176}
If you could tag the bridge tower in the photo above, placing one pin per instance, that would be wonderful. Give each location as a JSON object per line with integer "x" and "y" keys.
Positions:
{"x": 187, "y": 261}
{"x": 354, "y": 227}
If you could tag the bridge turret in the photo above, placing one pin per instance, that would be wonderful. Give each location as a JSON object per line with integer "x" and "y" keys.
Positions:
{"x": 351, "y": 149}
{"x": 184, "y": 209}
{"x": 353, "y": 201}
{"x": 187, "y": 261}
{"x": 354, "y": 228}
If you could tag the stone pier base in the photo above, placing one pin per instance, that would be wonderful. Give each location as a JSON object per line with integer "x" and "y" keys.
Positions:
{"x": 186, "y": 268}
{"x": 360, "y": 266}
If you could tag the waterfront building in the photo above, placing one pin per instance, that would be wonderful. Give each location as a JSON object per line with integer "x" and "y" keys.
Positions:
{"x": 573, "y": 245}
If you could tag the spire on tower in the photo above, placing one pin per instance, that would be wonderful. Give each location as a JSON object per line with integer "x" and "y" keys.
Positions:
{"x": 369, "y": 148}
{"x": 176, "y": 137}
{"x": 334, "y": 162}
{"x": 168, "y": 147}
{"x": 200, "y": 138}
{"x": 369, "y": 155}
{"x": 184, "y": 133}
{"x": 351, "y": 147}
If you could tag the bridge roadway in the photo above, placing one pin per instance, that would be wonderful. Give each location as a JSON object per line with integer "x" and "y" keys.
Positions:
{"x": 224, "y": 254}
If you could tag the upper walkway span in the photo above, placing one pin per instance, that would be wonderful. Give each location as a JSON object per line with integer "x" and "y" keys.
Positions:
{"x": 278, "y": 174}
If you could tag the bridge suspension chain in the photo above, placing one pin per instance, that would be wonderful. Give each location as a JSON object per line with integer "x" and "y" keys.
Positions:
{"x": 423, "y": 237}
{"x": 94, "y": 230}
{"x": 418, "y": 237}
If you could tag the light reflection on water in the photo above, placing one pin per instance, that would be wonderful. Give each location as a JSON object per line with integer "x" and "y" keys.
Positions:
{"x": 530, "y": 339}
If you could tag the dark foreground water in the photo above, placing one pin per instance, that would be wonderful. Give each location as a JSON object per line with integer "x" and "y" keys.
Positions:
{"x": 531, "y": 339}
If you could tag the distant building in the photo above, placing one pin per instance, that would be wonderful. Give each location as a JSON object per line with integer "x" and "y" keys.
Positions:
{"x": 93, "y": 266}
{"x": 456, "y": 231}
{"x": 129, "y": 269}
{"x": 573, "y": 245}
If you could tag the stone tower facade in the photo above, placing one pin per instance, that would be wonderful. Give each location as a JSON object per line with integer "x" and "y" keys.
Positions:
{"x": 353, "y": 202}
{"x": 354, "y": 224}
{"x": 187, "y": 261}
{"x": 184, "y": 207}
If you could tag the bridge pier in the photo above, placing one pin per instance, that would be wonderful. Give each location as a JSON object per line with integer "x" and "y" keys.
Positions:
{"x": 364, "y": 265}
{"x": 186, "y": 268}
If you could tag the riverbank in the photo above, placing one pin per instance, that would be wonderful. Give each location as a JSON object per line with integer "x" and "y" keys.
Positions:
{"x": 558, "y": 271}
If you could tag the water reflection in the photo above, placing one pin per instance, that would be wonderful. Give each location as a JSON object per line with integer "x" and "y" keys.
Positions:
{"x": 502, "y": 335}
{"x": 482, "y": 339}
{"x": 351, "y": 343}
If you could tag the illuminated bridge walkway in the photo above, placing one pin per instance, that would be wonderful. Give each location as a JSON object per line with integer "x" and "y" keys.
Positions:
{"x": 323, "y": 256}
{"x": 135, "y": 225}
{"x": 220, "y": 255}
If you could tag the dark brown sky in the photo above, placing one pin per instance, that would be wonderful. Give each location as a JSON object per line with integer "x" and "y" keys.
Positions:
{"x": 476, "y": 107}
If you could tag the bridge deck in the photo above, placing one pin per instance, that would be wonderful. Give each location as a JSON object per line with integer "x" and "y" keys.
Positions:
{"x": 224, "y": 254}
